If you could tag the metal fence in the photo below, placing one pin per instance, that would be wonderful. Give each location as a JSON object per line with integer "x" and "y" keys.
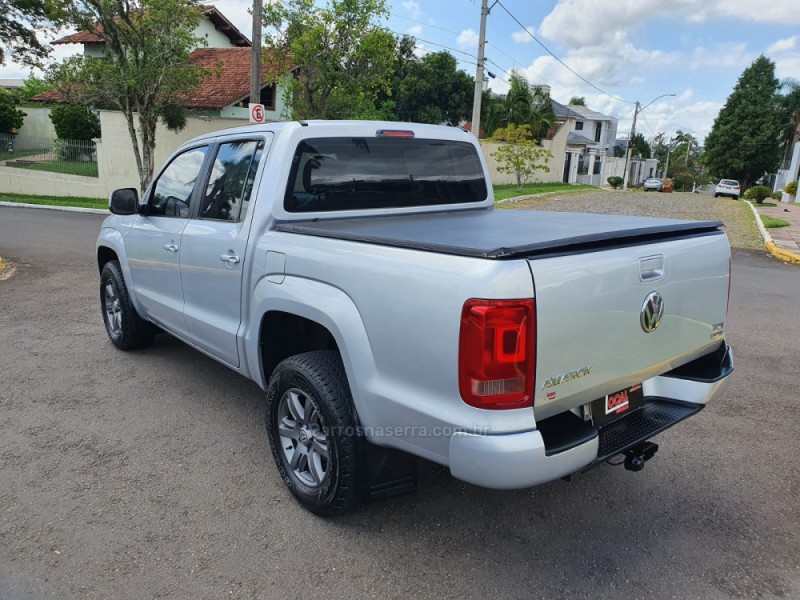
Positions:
{"x": 72, "y": 157}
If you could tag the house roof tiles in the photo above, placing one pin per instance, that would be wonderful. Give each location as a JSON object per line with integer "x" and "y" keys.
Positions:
{"x": 228, "y": 85}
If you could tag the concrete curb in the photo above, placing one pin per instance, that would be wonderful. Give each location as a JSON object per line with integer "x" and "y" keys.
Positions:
{"x": 772, "y": 248}
{"x": 544, "y": 195}
{"x": 78, "y": 209}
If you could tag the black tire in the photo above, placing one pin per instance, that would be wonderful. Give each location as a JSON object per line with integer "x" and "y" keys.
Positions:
{"x": 132, "y": 331}
{"x": 319, "y": 381}
{"x": 716, "y": 195}
{"x": 735, "y": 197}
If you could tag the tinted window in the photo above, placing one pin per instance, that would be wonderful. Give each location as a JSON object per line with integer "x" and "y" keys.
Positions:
{"x": 230, "y": 181}
{"x": 729, "y": 182}
{"x": 331, "y": 174}
{"x": 172, "y": 195}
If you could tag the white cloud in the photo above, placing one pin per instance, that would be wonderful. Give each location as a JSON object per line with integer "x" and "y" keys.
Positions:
{"x": 414, "y": 8}
{"x": 788, "y": 65}
{"x": 420, "y": 50}
{"x": 721, "y": 55}
{"x": 414, "y": 30}
{"x": 580, "y": 23}
{"x": 468, "y": 38}
{"x": 784, "y": 12}
{"x": 782, "y": 46}
{"x": 523, "y": 37}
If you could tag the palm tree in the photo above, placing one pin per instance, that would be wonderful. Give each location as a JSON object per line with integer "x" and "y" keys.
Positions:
{"x": 527, "y": 105}
{"x": 540, "y": 115}
{"x": 685, "y": 139}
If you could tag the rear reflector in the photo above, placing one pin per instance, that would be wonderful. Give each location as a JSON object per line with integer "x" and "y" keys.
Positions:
{"x": 497, "y": 353}
{"x": 394, "y": 133}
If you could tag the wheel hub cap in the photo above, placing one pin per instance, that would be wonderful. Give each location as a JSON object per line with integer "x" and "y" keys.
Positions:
{"x": 301, "y": 432}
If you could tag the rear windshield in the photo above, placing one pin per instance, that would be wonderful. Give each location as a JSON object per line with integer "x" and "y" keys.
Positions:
{"x": 729, "y": 182}
{"x": 331, "y": 174}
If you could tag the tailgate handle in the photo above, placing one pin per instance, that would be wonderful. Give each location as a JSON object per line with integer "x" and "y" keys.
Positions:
{"x": 651, "y": 268}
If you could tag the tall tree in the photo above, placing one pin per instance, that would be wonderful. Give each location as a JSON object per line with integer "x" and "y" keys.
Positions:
{"x": 433, "y": 90}
{"x": 340, "y": 52}
{"x": 658, "y": 147}
{"x": 11, "y": 117}
{"x": 639, "y": 147}
{"x": 145, "y": 70}
{"x": 20, "y": 21}
{"x": 744, "y": 141}
{"x": 528, "y": 105}
{"x": 577, "y": 101}
{"x": 685, "y": 144}
{"x": 789, "y": 107}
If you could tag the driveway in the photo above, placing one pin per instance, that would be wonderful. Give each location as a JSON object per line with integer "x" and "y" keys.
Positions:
{"x": 739, "y": 223}
{"x": 148, "y": 475}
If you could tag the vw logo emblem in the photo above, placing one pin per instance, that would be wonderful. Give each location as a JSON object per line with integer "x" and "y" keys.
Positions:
{"x": 652, "y": 312}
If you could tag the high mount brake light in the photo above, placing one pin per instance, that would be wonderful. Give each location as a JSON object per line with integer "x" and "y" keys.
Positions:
{"x": 497, "y": 353}
{"x": 394, "y": 133}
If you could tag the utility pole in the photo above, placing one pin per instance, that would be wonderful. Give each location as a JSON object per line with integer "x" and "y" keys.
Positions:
{"x": 669, "y": 151}
{"x": 476, "y": 101}
{"x": 255, "y": 61}
{"x": 628, "y": 152}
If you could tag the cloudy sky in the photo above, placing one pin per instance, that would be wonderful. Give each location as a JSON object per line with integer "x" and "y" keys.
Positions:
{"x": 630, "y": 49}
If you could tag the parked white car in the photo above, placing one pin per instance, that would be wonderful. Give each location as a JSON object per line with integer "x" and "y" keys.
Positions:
{"x": 727, "y": 187}
{"x": 654, "y": 183}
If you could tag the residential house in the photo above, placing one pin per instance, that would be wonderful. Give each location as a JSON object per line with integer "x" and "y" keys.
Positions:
{"x": 590, "y": 142}
{"x": 224, "y": 93}
{"x": 12, "y": 84}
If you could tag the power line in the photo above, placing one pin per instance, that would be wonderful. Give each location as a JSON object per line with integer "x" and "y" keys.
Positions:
{"x": 458, "y": 33}
{"x": 561, "y": 62}
{"x": 432, "y": 43}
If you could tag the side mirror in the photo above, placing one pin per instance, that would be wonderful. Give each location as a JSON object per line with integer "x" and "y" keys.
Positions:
{"x": 124, "y": 201}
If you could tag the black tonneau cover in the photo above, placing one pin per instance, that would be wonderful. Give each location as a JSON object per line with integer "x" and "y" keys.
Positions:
{"x": 498, "y": 234}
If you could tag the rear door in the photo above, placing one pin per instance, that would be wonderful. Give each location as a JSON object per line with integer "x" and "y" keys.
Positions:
{"x": 154, "y": 248}
{"x": 213, "y": 247}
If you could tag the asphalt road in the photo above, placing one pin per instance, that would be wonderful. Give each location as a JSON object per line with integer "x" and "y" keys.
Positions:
{"x": 148, "y": 475}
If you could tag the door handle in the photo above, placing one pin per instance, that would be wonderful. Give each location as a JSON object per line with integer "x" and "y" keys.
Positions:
{"x": 171, "y": 247}
{"x": 231, "y": 259}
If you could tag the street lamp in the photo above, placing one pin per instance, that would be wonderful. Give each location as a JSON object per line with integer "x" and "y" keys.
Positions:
{"x": 633, "y": 132}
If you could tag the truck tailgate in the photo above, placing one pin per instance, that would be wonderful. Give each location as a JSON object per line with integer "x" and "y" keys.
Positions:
{"x": 590, "y": 337}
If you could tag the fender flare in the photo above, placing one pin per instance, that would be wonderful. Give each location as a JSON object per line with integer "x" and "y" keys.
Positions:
{"x": 333, "y": 309}
{"x": 112, "y": 239}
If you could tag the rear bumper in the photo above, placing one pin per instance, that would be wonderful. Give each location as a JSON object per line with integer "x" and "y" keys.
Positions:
{"x": 522, "y": 460}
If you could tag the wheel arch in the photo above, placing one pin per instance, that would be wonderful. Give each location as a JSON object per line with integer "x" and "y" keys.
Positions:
{"x": 331, "y": 322}
{"x": 105, "y": 254}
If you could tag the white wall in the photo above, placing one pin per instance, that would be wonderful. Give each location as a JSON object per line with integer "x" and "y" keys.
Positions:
{"x": 115, "y": 160}
{"x": 557, "y": 147}
{"x": 37, "y": 126}
{"x": 214, "y": 37}
{"x": 44, "y": 183}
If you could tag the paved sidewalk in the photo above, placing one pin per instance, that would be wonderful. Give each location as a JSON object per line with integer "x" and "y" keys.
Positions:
{"x": 787, "y": 238}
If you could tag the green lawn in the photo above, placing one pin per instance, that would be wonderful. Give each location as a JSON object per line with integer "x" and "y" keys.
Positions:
{"x": 19, "y": 154}
{"x": 501, "y": 192}
{"x": 56, "y": 200}
{"x": 86, "y": 169}
{"x": 770, "y": 222}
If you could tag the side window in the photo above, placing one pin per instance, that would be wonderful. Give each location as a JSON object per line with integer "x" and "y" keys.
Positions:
{"x": 231, "y": 181}
{"x": 172, "y": 195}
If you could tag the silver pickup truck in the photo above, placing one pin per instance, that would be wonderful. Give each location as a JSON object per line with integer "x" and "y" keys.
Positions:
{"x": 359, "y": 273}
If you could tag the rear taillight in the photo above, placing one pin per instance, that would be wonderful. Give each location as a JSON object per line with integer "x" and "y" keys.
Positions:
{"x": 497, "y": 353}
